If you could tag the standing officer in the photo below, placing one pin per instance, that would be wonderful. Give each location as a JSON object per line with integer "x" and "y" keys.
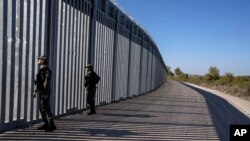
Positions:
{"x": 43, "y": 90}
{"x": 91, "y": 79}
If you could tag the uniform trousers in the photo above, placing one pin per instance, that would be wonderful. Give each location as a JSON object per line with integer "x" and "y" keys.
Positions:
{"x": 44, "y": 107}
{"x": 91, "y": 98}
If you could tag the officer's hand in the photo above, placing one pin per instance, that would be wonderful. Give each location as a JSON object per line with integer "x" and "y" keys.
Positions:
{"x": 45, "y": 96}
{"x": 34, "y": 94}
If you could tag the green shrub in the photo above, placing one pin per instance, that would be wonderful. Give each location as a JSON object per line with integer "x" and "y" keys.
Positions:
{"x": 213, "y": 74}
{"x": 178, "y": 71}
{"x": 227, "y": 79}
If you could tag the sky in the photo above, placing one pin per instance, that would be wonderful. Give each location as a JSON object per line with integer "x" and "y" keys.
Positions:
{"x": 197, "y": 34}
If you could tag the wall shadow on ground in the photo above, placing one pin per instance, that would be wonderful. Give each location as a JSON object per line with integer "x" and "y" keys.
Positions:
{"x": 223, "y": 114}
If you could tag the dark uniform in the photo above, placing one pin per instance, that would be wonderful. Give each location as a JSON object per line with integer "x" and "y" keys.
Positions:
{"x": 43, "y": 90}
{"x": 91, "y": 79}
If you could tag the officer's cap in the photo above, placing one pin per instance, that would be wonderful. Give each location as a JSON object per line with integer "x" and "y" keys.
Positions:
{"x": 89, "y": 66}
{"x": 43, "y": 58}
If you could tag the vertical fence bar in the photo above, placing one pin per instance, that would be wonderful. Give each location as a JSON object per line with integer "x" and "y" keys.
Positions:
{"x": 67, "y": 52}
{"x": 1, "y": 60}
{"x": 100, "y": 63}
{"x": 25, "y": 68}
{"x": 63, "y": 37}
{"x": 89, "y": 27}
{"x": 58, "y": 82}
{"x": 148, "y": 68}
{"x": 98, "y": 54}
{"x": 81, "y": 57}
{"x": 105, "y": 61}
{"x": 71, "y": 28}
{"x": 65, "y": 56}
{"x": 17, "y": 48}
{"x": 32, "y": 63}
{"x": 138, "y": 66}
{"x": 129, "y": 60}
{"x": 116, "y": 63}
{"x": 152, "y": 73}
{"x": 25, "y": 58}
{"x": 76, "y": 76}
{"x": 43, "y": 26}
{"x": 73, "y": 54}
{"x": 35, "y": 52}
{"x": 8, "y": 65}
{"x": 53, "y": 8}
{"x": 91, "y": 48}
{"x": 3, "y": 40}
{"x": 141, "y": 64}
{"x": 96, "y": 67}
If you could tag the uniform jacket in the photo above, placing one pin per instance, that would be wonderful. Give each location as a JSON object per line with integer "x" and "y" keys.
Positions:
{"x": 43, "y": 79}
{"x": 91, "y": 79}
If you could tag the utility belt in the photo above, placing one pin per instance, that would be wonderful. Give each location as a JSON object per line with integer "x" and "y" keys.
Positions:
{"x": 91, "y": 87}
{"x": 42, "y": 93}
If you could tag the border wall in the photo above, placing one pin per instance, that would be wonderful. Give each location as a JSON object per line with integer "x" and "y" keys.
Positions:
{"x": 72, "y": 33}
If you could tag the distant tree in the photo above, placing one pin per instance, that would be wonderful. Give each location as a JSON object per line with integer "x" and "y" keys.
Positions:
{"x": 213, "y": 73}
{"x": 169, "y": 72}
{"x": 178, "y": 71}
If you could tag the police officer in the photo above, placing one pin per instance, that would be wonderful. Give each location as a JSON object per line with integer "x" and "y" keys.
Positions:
{"x": 91, "y": 79}
{"x": 43, "y": 90}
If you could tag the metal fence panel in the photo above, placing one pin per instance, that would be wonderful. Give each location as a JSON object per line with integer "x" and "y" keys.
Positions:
{"x": 20, "y": 24}
{"x": 153, "y": 71}
{"x": 149, "y": 74}
{"x": 122, "y": 54}
{"x": 103, "y": 61}
{"x": 72, "y": 43}
{"x": 144, "y": 70}
{"x": 134, "y": 69}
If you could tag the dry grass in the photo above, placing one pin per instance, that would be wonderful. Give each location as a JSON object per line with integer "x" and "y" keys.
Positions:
{"x": 237, "y": 86}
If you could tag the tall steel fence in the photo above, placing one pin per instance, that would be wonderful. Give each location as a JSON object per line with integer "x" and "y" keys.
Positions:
{"x": 72, "y": 33}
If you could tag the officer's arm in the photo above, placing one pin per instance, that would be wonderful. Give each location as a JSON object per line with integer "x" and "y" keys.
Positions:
{"x": 46, "y": 79}
{"x": 86, "y": 82}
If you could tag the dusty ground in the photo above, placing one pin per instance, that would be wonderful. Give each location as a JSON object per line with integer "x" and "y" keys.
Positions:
{"x": 230, "y": 90}
{"x": 241, "y": 103}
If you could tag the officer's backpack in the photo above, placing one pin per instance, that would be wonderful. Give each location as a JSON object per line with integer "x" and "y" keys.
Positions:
{"x": 96, "y": 78}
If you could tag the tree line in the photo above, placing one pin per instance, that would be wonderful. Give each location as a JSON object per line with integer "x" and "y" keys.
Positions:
{"x": 227, "y": 83}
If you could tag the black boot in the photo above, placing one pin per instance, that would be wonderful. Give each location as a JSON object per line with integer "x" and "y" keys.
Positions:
{"x": 91, "y": 112}
{"x": 92, "y": 109}
{"x": 44, "y": 127}
{"x": 51, "y": 127}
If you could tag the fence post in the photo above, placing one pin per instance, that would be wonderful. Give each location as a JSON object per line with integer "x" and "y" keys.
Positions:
{"x": 141, "y": 61}
{"x": 3, "y": 63}
{"x": 52, "y": 45}
{"x": 47, "y": 39}
{"x": 129, "y": 60}
{"x": 114, "y": 56}
{"x": 91, "y": 47}
{"x": 3, "y": 17}
{"x": 152, "y": 63}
